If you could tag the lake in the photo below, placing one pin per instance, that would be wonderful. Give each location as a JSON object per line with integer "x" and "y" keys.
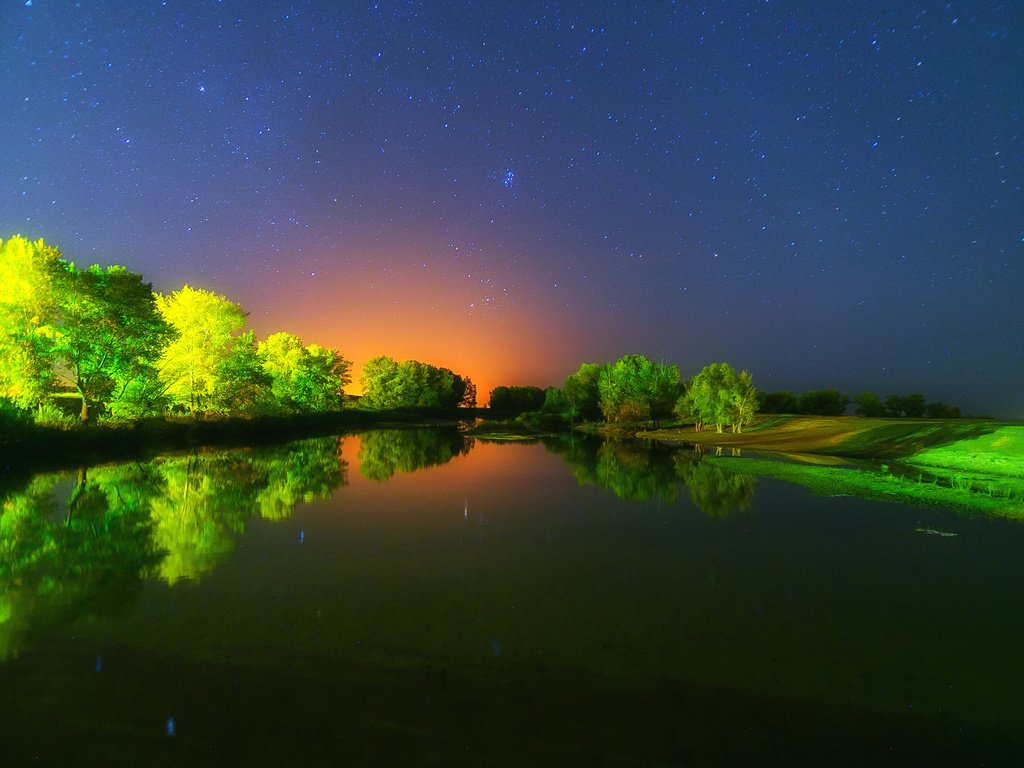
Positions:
{"x": 415, "y": 597}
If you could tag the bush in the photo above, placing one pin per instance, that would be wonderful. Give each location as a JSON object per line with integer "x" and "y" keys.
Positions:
{"x": 13, "y": 418}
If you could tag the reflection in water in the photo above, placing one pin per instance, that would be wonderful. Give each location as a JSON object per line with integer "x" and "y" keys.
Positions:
{"x": 714, "y": 491}
{"x": 386, "y": 451}
{"x": 62, "y": 560}
{"x": 75, "y": 545}
{"x": 629, "y": 469}
{"x": 633, "y": 470}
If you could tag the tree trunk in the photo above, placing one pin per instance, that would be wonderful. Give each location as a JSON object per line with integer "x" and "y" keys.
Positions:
{"x": 84, "y": 413}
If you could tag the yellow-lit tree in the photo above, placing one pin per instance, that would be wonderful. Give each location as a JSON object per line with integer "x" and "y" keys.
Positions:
{"x": 27, "y": 319}
{"x": 206, "y": 326}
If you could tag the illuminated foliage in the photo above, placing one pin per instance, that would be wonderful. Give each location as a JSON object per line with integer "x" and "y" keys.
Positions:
{"x": 206, "y": 328}
{"x": 390, "y": 384}
{"x": 243, "y": 385}
{"x": 109, "y": 334}
{"x": 583, "y": 400}
{"x": 718, "y": 395}
{"x": 634, "y": 388}
{"x": 304, "y": 378}
{"x": 27, "y": 319}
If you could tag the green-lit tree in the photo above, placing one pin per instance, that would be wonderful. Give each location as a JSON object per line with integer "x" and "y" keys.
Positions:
{"x": 390, "y": 384}
{"x": 583, "y": 400}
{"x": 719, "y": 395}
{"x": 634, "y": 388}
{"x": 304, "y": 378}
{"x": 243, "y": 386}
{"x": 109, "y": 333}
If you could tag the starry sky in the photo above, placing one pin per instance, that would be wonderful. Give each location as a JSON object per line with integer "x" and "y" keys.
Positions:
{"x": 826, "y": 194}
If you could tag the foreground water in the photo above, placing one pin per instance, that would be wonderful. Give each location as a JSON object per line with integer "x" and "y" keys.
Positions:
{"x": 409, "y": 597}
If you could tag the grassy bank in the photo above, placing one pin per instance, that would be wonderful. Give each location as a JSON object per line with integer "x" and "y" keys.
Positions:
{"x": 963, "y": 490}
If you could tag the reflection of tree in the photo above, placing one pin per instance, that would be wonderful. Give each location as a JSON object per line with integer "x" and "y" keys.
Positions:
{"x": 714, "y": 491}
{"x": 74, "y": 546}
{"x": 208, "y": 496}
{"x": 383, "y": 452}
{"x": 61, "y": 560}
{"x": 631, "y": 470}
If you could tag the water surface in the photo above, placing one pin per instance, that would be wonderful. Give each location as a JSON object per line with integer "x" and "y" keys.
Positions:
{"x": 412, "y": 597}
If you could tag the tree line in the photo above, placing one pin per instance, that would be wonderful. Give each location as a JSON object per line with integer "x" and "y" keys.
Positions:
{"x": 636, "y": 389}
{"x": 832, "y": 402}
{"x": 128, "y": 352}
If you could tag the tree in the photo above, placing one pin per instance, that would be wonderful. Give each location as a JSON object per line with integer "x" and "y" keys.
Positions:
{"x": 469, "y": 398}
{"x": 516, "y": 400}
{"x": 941, "y": 411}
{"x": 823, "y": 402}
{"x": 304, "y": 378}
{"x": 410, "y": 383}
{"x": 779, "y": 402}
{"x": 243, "y": 385}
{"x": 205, "y": 325}
{"x": 869, "y": 404}
{"x": 634, "y": 388}
{"x": 910, "y": 406}
{"x": 28, "y": 309}
{"x": 581, "y": 393}
{"x": 108, "y": 333}
{"x": 718, "y": 395}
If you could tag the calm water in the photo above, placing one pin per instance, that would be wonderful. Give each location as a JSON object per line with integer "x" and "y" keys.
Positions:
{"x": 407, "y": 597}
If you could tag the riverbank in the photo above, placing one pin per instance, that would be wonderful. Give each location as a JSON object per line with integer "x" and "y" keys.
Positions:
{"x": 36, "y": 448}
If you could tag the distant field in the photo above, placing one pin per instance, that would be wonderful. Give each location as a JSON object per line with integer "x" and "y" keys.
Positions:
{"x": 947, "y": 443}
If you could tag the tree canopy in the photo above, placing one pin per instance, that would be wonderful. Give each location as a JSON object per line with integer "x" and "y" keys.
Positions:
{"x": 206, "y": 326}
{"x": 388, "y": 383}
{"x": 304, "y": 378}
{"x": 634, "y": 388}
{"x": 718, "y": 395}
{"x": 515, "y": 400}
{"x": 108, "y": 333}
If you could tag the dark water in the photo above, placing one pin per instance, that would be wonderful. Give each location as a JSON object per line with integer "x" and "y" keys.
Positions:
{"x": 410, "y": 598}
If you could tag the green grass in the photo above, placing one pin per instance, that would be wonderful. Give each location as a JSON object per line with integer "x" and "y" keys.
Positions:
{"x": 996, "y": 453}
{"x": 961, "y": 490}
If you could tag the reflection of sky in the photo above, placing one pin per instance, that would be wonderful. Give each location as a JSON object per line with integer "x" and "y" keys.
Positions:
{"x": 828, "y": 198}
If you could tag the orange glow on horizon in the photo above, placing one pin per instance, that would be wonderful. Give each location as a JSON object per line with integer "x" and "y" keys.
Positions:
{"x": 494, "y": 335}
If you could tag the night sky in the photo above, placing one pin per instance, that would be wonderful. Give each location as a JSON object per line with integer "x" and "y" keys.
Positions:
{"x": 826, "y": 194}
